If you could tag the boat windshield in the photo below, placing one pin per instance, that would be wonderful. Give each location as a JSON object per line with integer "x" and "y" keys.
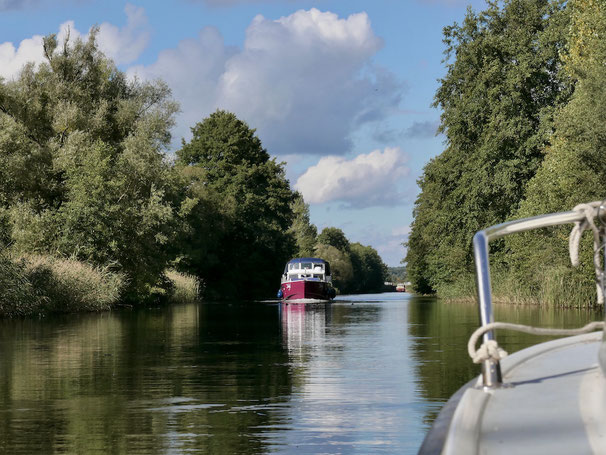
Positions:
{"x": 306, "y": 265}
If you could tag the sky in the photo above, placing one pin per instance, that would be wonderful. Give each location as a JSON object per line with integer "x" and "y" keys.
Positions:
{"x": 338, "y": 90}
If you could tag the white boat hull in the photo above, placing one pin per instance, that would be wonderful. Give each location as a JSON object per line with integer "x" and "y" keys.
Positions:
{"x": 553, "y": 402}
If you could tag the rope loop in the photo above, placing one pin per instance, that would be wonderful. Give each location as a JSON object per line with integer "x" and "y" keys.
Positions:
{"x": 490, "y": 350}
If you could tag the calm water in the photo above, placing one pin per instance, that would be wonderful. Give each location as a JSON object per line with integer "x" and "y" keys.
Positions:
{"x": 364, "y": 375}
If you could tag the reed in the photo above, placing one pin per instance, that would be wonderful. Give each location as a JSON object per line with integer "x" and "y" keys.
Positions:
{"x": 555, "y": 286}
{"x": 69, "y": 285}
{"x": 185, "y": 287}
{"x": 18, "y": 297}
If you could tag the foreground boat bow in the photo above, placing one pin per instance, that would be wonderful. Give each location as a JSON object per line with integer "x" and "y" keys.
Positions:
{"x": 550, "y": 398}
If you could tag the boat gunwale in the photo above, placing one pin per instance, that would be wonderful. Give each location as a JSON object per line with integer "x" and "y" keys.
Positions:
{"x": 445, "y": 435}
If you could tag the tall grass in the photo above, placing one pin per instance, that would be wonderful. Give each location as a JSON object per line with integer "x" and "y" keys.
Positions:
{"x": 18, "y": 297}
{"x": 70, "y": 285}
{"x": 185, "y": 287}
{"x": 554, "y": 286}
{"x": 35, "y": 284}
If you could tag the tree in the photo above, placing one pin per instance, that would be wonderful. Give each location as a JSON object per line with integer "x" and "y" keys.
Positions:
{"x": 255, "y": 209}
{"x": 340, "y": 266}
{"x": 574, "y": 169}
{"x": 497, "y": 102}
{"x": 84, "y": 172}
{"x": 302, "y": 230}
{"x": 369, "y": 269}
{"x": 334, "y": 237}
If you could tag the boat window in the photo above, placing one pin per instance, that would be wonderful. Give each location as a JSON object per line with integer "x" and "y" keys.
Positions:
{"x": 306, "y": 265}
{"x": 292, "y": 266}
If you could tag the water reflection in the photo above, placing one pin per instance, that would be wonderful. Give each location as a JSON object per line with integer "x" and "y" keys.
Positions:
{"x": 353, "y": 393}
{"x": 366, "y": 374}
{"x": 190, "y": 378}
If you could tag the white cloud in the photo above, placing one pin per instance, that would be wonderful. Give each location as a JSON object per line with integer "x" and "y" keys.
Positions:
{"x": 192, "y": 70}
{"x": 305, "y": 81}
{"x": 13, "y": 59}
{"x": 124, "y": 45}
{"x": 367, "y": 180}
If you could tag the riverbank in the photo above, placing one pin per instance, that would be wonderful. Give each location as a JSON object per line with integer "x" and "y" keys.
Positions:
{"x": 557, "y": 286}
{"x": 38, "y": 285}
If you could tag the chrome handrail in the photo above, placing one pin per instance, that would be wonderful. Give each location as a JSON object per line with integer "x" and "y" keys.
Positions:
{"x": 491, "y": 369}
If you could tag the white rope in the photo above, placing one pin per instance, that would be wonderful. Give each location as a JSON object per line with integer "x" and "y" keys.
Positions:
{"x": 490, "y": 350}
{"x": 590, "y": 210}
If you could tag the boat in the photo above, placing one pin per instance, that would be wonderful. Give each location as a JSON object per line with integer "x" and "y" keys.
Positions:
{"x": 549, "y": 398}
{"x": 400, "y": 287}
{"x": 306, "y": 280}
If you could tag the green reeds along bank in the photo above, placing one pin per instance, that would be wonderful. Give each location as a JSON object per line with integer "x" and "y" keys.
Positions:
{"x": 553, "y": 286}
{"x": 35, "y": 284}
{"x": 185, "y": 287}
{"x": 18, "y": 297}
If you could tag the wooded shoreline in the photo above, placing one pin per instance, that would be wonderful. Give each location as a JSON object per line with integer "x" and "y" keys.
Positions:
{"x": 96, "y": 210}
{"x": 523, "y": 107}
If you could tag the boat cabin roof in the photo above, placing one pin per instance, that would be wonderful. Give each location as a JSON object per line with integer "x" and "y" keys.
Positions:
{"x": 308, "y": 260}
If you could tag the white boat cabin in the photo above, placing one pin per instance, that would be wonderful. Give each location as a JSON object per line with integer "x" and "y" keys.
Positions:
{"x": 307, "y": 269}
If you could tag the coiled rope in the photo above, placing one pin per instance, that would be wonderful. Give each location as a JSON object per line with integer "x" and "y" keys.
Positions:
{"x": 490, "y": 350}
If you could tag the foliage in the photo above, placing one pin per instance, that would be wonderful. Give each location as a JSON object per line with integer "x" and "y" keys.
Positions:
{"x": 18, "y": 296}
{"x": 356, "y": 268}
{"x": 340, "y": 266}
{"x": 68, "y": 285}
{"x": 304, "y": 233}
{"x": 396, "y": 274}
{"x": 84, "y": 175}
{"x": 369, "y": 270}
{"x": 253, "y": 209}
{"x": 574, "y": 170}
{"x": 497, "y": 101}
{"x": 334, "y": 237}
{"x": 83, "y": 166}
{"x": 186, "y": 288}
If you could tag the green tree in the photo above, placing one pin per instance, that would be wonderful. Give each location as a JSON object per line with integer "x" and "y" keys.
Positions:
{"x": 255, "y": 208}
{"x": 574, "y": 169}
{"x": 340, "y": 266}
{"x": 369, "y": 270}
{"x": 503, "y": 83}
{"x": 302, "y": 230}
{"x": 334, "y": 237}
{"x": 83, "y": 165}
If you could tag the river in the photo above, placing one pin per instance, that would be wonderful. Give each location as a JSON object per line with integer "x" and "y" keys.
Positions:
{"x": 365, "y": 374}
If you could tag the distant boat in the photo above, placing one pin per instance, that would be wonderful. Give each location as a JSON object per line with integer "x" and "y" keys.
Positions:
{"x": 401, "y": 287}
{"x": 306, "y": 280}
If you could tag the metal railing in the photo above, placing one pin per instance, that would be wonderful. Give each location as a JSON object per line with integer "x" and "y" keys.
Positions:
{"x": 491, "y": 369}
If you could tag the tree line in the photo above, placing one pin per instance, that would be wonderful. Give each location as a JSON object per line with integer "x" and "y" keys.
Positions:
{"x": 523, "y": 108}
{"x": 86, "y": 174}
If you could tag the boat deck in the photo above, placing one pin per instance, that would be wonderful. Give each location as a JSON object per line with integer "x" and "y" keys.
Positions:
{"x": 552, "y": 402}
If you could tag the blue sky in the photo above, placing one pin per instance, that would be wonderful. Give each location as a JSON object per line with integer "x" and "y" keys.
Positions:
{"x": 340, "y": 90}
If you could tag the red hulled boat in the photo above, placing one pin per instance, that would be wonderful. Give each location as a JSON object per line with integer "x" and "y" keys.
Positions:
{"x": 306, "y": 279}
